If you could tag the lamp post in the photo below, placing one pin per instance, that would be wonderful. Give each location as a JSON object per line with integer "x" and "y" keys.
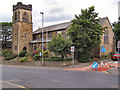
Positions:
{"x": 42, "y": 37}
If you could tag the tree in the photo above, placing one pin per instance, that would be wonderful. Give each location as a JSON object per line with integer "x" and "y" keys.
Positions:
{"x": 85, "y": 33}
{"x": 59, "y": 45}
{"x": 116, "y": 29}
{"x": 6, "y": 34}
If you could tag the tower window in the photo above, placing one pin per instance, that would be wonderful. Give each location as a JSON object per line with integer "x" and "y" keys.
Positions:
{"x": 19, "y": 16}
{"x": 15, "y": 47}
{"x": 15, "y": 35}
{"x": 25, "y": 35}
{"x": 25, "y": 17}
{"x": 15, "y": 16}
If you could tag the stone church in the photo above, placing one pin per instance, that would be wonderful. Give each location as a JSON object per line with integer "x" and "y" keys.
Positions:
{"x": 23, "y": 37}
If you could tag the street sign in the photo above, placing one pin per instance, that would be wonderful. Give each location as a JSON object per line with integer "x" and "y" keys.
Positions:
{"x": 102, "y": 49}
{"x": 72, "y": 49}
{"x": 118, "y": 44}
{"x": 40, "y": 54}
{"x": 95, "y": 65}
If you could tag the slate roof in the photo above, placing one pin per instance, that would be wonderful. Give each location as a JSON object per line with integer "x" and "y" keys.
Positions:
{"x": 61, "y": 26}
{"x": 54, "y": 27}
{"x": 39, "y": 41}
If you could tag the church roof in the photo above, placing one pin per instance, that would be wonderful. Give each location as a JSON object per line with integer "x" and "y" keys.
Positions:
{"x": 61, "y": 26}
{"x": 54, "y": 27}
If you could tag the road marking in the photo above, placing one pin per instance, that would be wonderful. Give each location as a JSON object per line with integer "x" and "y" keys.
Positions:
{"x": 14, "y": 84}
{"x": 105, "y": 72}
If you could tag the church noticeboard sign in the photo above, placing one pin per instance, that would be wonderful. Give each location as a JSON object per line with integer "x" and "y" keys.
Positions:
{"x": 118, "y": 44}
{"x": 102, "y": 49}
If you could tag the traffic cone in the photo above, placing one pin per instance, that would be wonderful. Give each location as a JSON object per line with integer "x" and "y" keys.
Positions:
{"x": 109, "y": 67}
{"x": 116, "y": 65}
{"x": 98, "y": 65}
{"x": 91, "y": 65}
{"x": 101, "y": 63}
{"x": 106, "y": 65}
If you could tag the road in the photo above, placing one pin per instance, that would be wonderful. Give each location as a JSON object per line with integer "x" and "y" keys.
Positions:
{"x": 18, "y": 76}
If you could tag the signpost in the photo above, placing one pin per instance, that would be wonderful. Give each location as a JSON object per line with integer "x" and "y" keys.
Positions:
{"x": 40, "y": 54}
{"x": 72, "y": 49}
{"x": 95, "y": 65}
{"x": 118, "y": 46}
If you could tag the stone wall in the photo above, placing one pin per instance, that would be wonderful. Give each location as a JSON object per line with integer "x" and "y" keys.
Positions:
{"x": 39, "y": 63}
{"x": 22, "y": 32}
{"x": 110, "y": 45}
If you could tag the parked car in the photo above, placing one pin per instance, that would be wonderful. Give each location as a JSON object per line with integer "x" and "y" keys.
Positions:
{"x": 115, "y": 56}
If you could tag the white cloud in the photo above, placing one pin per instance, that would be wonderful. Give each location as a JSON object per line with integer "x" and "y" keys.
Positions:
{"x": 57, "y": 11}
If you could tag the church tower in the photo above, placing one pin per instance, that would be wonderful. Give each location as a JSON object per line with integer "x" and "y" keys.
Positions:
{"x": 21, "y": 28}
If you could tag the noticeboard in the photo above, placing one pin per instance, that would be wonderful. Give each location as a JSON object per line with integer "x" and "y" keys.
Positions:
{"x": 72, "y": 49}
{"x": 118, "y": 44}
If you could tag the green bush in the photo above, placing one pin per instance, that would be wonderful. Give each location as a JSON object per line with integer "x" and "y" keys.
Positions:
{"x": 84, "y": 57}
{"x": 29, "y": 54}
{"x": 22, "y": 53}
{"x": 10, "y": 57}
{"x": 39, "y": 50}
{"x": 23, "y": 59}
{"x": 46, "y": 54}
{"x": 36, "y": 57}
{"x": 6, "y": 52}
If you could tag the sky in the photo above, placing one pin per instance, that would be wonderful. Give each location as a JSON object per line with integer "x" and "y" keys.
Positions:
{"x": 59, "y": 11}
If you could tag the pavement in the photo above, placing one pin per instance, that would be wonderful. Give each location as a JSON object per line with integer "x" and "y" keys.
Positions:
{"x": 78, "y": 67}
{"x": 111, "y": 69}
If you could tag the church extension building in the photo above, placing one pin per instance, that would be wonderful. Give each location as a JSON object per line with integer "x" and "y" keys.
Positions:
{"x": 23, "y": 37}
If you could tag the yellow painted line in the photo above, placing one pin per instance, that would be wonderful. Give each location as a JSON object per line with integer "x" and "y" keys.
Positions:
{"x": 21, "y": 86}
{"x": 105, "y": 72}
{"x": 14, "y": 84}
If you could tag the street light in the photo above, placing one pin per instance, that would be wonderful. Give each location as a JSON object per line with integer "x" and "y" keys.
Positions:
{"x": 42, "y": 37}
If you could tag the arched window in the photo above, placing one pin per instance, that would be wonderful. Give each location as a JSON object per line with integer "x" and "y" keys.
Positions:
{"x": 25, "y": 17}
{"x": 35, "y": 47}
{"x": 106, "y": 37}
{"x": 18, "y": 16}
{"x": 25, "y": 49}
{"x": 15, "y": 16}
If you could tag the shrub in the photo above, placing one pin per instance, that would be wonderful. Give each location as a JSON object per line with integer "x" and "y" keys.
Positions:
{"x": 46, "y": 54}
{"x": 10, "y": 57}
{"x": 6, "y": 52}
{"x": 36, "y": 57}
{"x": 23, "y": 59}
{"x": 29, "y": 54}
{"x": 37, "y": 51}
{"x": 22, "y": 53}
{"x": 84, "y": 57}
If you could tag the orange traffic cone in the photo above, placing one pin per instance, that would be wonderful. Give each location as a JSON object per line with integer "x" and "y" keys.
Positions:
{"x": 106, "y": 65}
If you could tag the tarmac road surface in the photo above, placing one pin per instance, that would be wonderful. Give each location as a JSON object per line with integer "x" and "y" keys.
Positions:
{"x": 55, "y": 78}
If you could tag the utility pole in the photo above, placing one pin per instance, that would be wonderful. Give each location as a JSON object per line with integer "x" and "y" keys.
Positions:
{"x": 42, "y": 37}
